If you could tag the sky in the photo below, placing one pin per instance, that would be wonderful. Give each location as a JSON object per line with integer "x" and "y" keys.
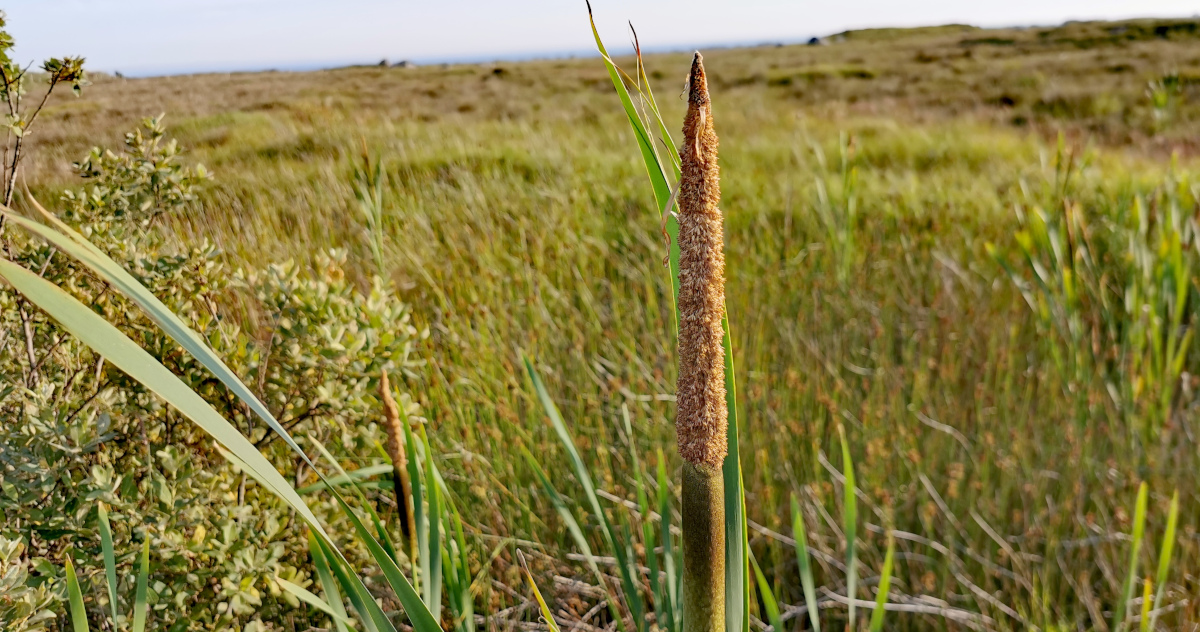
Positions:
{"x": 150, "y": 37}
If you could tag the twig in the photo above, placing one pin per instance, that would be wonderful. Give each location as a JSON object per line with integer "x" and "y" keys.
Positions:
{"x": 971, "y": 619}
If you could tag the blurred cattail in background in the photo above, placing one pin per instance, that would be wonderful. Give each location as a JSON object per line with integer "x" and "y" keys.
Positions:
{"x": 392, "y": 421}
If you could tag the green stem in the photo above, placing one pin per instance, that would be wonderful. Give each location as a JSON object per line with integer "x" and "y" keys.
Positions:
{"x": 703, "y": 549}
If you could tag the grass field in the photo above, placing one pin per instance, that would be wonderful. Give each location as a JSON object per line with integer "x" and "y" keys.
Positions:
{"x": 875, "y": 189}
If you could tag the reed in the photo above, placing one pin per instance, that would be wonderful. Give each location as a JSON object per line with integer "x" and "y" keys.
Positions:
{"x": 701, "y": 418}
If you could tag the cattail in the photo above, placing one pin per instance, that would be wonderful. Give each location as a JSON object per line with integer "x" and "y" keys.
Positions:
{"x": 393, "y": 423}
{"x": 701, "y": 417}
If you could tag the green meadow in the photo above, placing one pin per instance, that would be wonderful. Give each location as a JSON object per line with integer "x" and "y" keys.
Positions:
{"x": 974, "y": 251}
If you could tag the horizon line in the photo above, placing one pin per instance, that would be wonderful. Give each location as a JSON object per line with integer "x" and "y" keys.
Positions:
{"x": 550, "y": 55}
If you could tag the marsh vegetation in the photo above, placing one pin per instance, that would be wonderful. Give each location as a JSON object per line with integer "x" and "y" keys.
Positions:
{"x": 971, "y": 253}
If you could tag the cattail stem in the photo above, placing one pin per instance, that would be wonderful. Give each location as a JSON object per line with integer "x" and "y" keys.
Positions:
{"x": 392, "y": 422}
{"x": 702, "y": 419}
{"x": 703, "y": 548}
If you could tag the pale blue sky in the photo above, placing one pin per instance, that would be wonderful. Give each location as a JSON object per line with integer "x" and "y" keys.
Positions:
{"x": 168, "y": 36}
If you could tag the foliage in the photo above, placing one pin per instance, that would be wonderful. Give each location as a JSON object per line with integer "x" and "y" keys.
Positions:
{"x": 23, "y": 605}
{"x": 84, "y": 431}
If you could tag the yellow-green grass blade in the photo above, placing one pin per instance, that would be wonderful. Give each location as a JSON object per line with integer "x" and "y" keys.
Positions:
{"x": 885, "y": 585}
{"x": 654, "y": 169}
{"x": 645, "y": 140}
{"x": 652, "y": 106}
{"x": 1146, "y": 601}
{"x": 141, "y": 605}
{"x": 75, "y": 596}
{"x": 1139, "y": 532}
{"x": 805, "y": 565}
{"x": 768, "y": 597}
{"x": 358, "y": 476}
{"x": 537, "y": 594}
{"x": 110, "y": 562}
{"x": 568, "y": 519}
{"x": 630, "y": 588}
{"x": 333, "y": 597}
{"x": 1164, "y": 557}
{"x": 309, "y": 598}
{"x": 68, "y": 240}
{"x": 849, "y": 523}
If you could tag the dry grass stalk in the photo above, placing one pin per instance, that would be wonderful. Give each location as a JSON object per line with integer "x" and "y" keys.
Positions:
{"x": 701, "y": 418}
{"x": 392, "y": 422}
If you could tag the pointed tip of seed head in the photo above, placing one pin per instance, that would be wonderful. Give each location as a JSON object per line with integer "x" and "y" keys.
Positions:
{"x": 698, "y": 82}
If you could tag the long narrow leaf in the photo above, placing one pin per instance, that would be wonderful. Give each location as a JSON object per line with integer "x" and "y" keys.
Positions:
{"x": 141, "y": 605}
{"x": 673, "y": 605}
{"x": 737, "y": 544}
{"x": 630, "y": 588}
{"x": 333, "y": 596}
{"x": 643, "y": 499}
{"x": 380, "y": 531}
{"x": 1139, "y": 532}
{"x": 1164, "y": 558}
{"x": 1146, "y": 601}
{"x": 654, "y": 169}
{"x": 802, "y": 560}
{"x": 433, "y": 578}
{"x": 885, "y": 585}
{"x": 768, "y": 597}
{"x": 110, "y": 562}
{"x": 75, "y": 595}
{"x": 576, "y": 533}
{"x": 419, "y": 544}
{"x": 418, "y": 613}
{"x": 458, "y": 579}
{"x": 537, "y": 594}
{"x": 356, "y": 476}
{"x": 849, "y": 523}
{"x": 364, "y": 604}
{"x": 309, "y": 598}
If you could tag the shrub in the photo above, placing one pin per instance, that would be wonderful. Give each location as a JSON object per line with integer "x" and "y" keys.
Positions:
{"x": 312, "y": 343}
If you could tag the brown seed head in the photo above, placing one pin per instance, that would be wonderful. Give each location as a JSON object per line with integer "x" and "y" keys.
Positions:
{"x": 701, "y": 418}
{"x": 394, "y": 425}
{"x": 392, "y": 422}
